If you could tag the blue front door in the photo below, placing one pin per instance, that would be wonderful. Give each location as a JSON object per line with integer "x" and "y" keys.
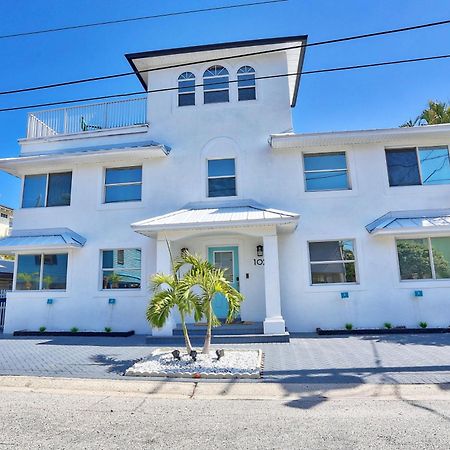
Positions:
{"x": 226, "y": 258}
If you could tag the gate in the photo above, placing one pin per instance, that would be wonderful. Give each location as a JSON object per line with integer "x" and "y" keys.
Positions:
{"x": 2, "y": 309}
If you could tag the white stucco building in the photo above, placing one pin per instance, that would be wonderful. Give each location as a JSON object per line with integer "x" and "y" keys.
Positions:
{"x": 6, "y": 218}
{"x": 316, "y": 230}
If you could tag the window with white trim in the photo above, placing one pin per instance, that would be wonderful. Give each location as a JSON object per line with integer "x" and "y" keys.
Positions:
{"x": 326, "y": 172}
{"x": 221, "y": 178}
{"x": 332, "y": 262}
{"x": 216, "y": 85}
{"x": 121, "y": 268}
{"x": 414, "y": 166}
{"x": 186, "y": 89}
{"x": 45, "y": 190}
{"x": 424, "y": 259}
{"x": 41, "y": 272}
{"x": 123, "y": 184}
{"x": 246, "y": 76}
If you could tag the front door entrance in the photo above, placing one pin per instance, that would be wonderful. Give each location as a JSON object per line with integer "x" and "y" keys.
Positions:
{"x": 226, "y": 258}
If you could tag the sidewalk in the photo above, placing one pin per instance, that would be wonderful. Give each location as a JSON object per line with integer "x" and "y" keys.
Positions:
{"x": 404, "y": 359}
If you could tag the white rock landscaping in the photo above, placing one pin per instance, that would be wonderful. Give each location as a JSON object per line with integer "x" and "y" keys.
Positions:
{"x": 234, "y": 364}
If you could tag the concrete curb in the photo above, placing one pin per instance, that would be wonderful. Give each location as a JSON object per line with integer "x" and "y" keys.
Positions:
{"x": 226, "y": 390}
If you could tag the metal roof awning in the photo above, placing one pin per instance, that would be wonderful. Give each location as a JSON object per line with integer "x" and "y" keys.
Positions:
{"x": 54, "y": 238}
{"x": 411, "y": 222}
{"x": 207, "y": 215}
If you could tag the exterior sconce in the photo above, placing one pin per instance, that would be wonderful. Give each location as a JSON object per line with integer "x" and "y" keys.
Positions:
{"x": 345, "y": 295}
{"x": 49, "y": 301}
{"x": 112, "y": 301}
{"x": 184, "y": 250}
{"x": 259, "y": 251}
{"x": 418, "y": 293}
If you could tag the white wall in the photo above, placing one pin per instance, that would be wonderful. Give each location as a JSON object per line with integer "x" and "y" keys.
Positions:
{"x": 273, "y": 178}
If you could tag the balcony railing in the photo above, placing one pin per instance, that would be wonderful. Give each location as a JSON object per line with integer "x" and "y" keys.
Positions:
{"x": 84, "y": 118}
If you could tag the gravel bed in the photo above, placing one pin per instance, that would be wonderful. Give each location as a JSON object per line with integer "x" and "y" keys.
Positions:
{"x": 234, "y": 364}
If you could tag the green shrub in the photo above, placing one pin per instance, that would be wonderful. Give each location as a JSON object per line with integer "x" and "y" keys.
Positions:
{"x": 108, "y": 329}
{"x": 423, "y": 324}
{"x": 74, "y": 330}
{"x": 387, "y": 325}
{"x": 42, "y": 329}
{"x": 349, "y": 326}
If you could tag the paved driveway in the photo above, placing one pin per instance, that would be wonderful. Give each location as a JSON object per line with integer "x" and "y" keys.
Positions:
{"x": 307, "y": 359}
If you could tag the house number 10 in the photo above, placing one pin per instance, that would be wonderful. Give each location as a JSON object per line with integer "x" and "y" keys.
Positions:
{"x": 258, "y": 262}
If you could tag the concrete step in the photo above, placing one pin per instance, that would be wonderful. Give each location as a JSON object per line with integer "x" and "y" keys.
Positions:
{"x": 196, "y": 340}
{"x": 226, "y": 329}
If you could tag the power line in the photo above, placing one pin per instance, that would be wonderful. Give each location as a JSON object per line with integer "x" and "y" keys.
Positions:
{"x": 267, "y": 77}
{"x": 135, "y": 19}
{"x": 262, "y": 52}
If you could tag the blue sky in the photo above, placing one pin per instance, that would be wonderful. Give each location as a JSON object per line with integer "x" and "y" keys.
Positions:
{"x": 368, "y": 98}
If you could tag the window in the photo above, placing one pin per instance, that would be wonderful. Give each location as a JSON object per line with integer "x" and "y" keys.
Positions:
{"x": 221, "y": 178}
{"x": 3, "y": 215}
{"x": 121, "y": 269}
{"x": 186, "y": 89}
{"x": 326, "y": 172}
{"x": 52, "y": 189}
{"x": 422, "y": 259}
{"x": 123, "y": 184}
{"x": 417, "y": 166}
{"x": 41, "y": 272}
{"x": 246, "y": 83}
{"x": 332, "y": 262}
{"x": 216, "y": 85}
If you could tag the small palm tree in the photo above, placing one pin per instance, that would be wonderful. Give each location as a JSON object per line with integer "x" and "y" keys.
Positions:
{"x": 436, "y": 113}
{"x": 211, "y": 281}
{"x": 170, "y": 291}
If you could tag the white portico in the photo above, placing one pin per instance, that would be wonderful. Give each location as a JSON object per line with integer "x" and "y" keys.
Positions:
{"x": 238, "y": 226}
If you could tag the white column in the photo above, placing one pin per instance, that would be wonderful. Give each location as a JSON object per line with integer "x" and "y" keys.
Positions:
{"x": 274, "y": 322}
{"x": 163, "y": 265}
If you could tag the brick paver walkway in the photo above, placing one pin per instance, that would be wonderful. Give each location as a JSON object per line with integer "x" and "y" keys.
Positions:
{"x": 356, "y": 359}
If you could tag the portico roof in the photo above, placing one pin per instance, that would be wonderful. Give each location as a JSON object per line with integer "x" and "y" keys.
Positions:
{"x": 51, "y": 238}
{"x": 411, "y": 222}
{"x": 207, "y": 215}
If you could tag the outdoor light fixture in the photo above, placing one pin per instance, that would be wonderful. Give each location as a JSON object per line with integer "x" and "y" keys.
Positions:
{"x": 176, "y": 355}
{"x": 220, "y": 354}
{"x": 193, "y": 355}
{"x": 184, "y": 250}
{"x": 259, "y": 250}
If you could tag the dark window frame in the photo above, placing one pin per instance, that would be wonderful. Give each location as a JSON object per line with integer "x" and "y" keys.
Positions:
{"x": 217, "y": 177}
{"x": 47, "y": 189}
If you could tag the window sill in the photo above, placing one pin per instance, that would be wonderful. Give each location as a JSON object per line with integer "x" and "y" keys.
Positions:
{"x": 334, "y": 287}
{"x": 120, "y": 205}
{"x": 43, "y": 208}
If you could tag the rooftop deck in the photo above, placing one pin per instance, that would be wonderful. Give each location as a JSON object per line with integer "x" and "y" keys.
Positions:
{"x": 87, "y": 118}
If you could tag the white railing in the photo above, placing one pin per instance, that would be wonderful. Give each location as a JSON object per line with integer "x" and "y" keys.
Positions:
{"x": 83, "y": 118}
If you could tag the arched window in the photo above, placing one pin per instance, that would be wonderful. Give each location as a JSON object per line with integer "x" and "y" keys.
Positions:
{"x": 246, "y": 83}
{"x": 186, "y": 89}
{"x": 216, "y": 85}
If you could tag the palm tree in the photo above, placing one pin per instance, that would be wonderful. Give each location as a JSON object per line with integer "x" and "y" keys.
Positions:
{"x": 170, "y": 291}
{"x": 436, "y": 113}
{"x": 211, "y": 281}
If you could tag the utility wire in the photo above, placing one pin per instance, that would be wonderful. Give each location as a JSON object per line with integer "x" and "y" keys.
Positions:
{"x": 262, "y": 52}
{"x": 267, "y": 77}
{"x": 135, "y": 19}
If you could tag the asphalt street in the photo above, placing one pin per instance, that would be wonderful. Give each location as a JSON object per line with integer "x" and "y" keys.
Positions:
{"x": 151, "y": 415}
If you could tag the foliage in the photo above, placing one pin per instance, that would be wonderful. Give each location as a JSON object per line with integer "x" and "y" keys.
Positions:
{"x": 108, "y": 329}
{"x": 414, "y": 259}
{"x": 47, "y": 281}
{"x": 210, "y": 281}
{"x": 349, "y": 326}
{"x": 387, "y": 325}
{"x": 170, "y": 291}
{"x": 28, "y": 279}
{"x": 74, "y": 330}
{"x": 423, "y": 325}
{"x": 436, "y": 113}
{"x": 7, "y": 257}
{"x": 42, "y": 329}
